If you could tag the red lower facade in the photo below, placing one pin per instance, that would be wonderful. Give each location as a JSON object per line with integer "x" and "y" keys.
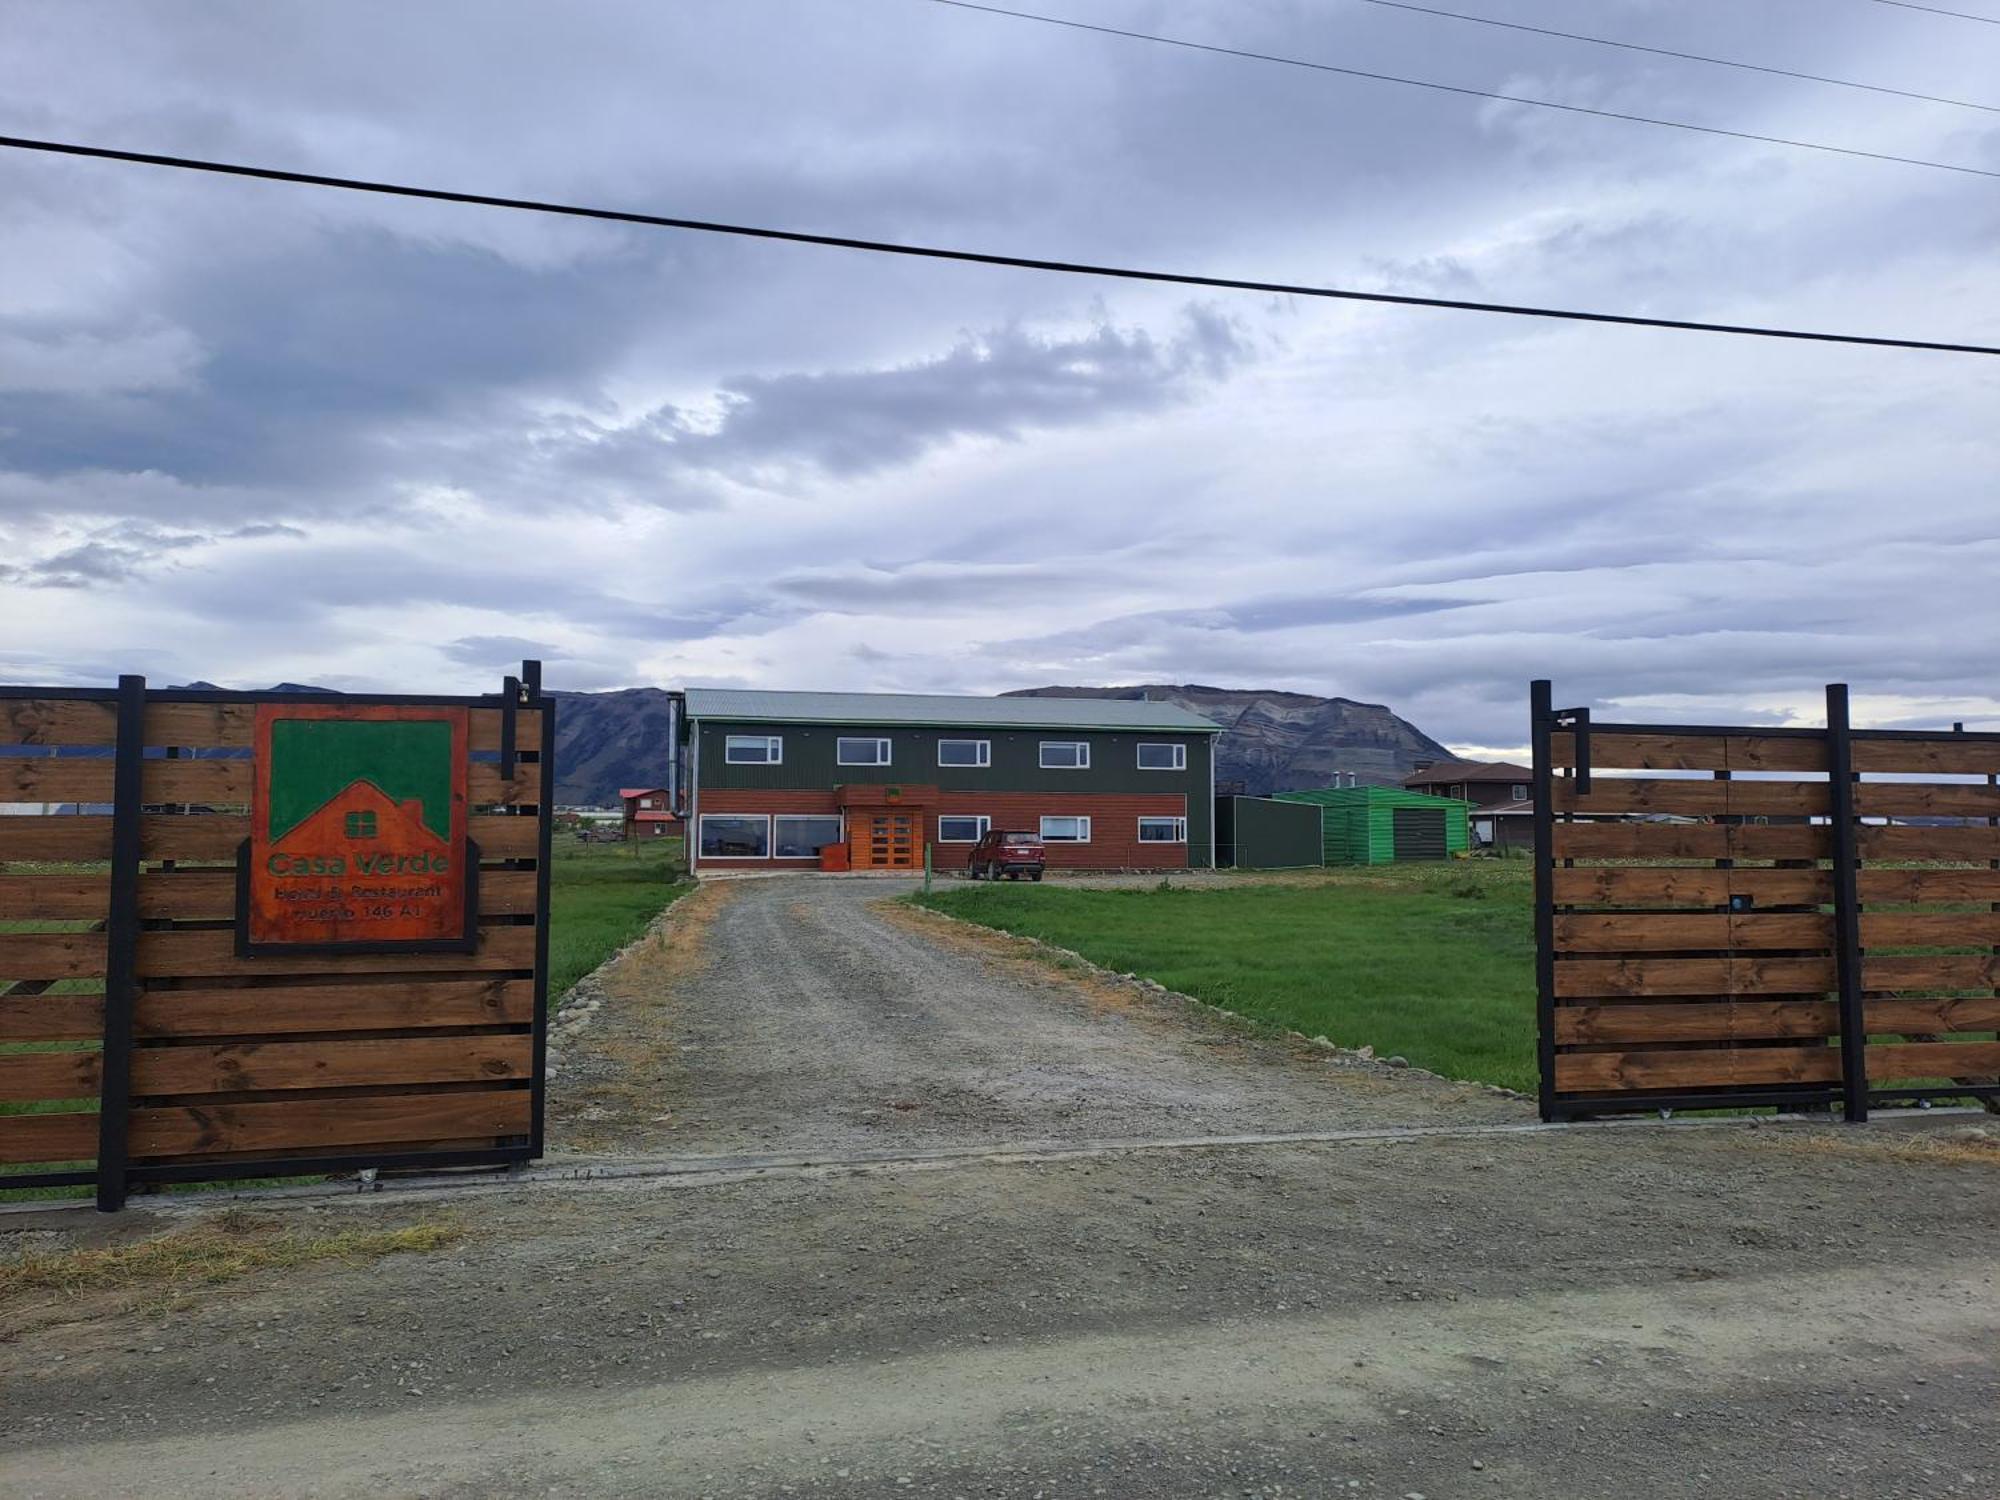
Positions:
{"x": 1114, "y": 825}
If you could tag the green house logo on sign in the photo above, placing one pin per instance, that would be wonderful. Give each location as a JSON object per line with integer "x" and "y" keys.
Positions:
{"x": 358, "y": 831}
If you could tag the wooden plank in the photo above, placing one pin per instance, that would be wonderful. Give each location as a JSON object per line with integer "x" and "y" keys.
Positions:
{"x": 503, "y": 836}
{"x": 1667, "y": 885}
{"x": 55, "y": 778}
{"x": 1930, "y": 929}
{"x": 51, "y": 1018}
{"x": 49, "y": 1075}
{"x": 485, "y": 729}
{"x": 1666, "y": 933}
{"x": 1892, "y": 1060}
{"x": 486, "y": 788}
{"x": 209, "y": 837}
{"x": 1961, "y": 972}
{"x": 1925, "y": 799}
{"x": 1694, "y": 1021}
{"x": 290, "y": 1009}
{"x": 1879, "y": 885}
{"x": 1697, "y": 752}
{"x": 1962, "y": 1013}
{"x": 52, "y": 955}
{"x": 230, "y": 726}
{"x": 1620, "y": 795}
{"x": 70, "y": 1136}
{"x": 334, "y": 1124}
{"x": 190, "y": 954}
{"x": 210, "y": 895}
{"x": 1694, "y": 1067}
{"x": 1928, "y": 843}
{"x": 57, "y": 721}
{"x": 1583, "y": 977}
{"x": 1948, "y": 755}
{"x": 251, "y": 1067}
{"x": 62, "y": 838}
{"x": 54, "y": 898}
{"x": 1690, "y": 841}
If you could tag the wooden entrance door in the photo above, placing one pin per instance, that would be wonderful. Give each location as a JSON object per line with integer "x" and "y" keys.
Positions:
{"x": 885, "y": 840}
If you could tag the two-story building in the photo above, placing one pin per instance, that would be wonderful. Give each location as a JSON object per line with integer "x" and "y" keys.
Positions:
{"x": 1503, "y": 816}
{"x": 1106, "y": 783}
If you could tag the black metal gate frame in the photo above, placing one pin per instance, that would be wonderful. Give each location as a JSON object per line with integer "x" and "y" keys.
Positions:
{"x": 113, "y": 1175}
{"x": 1852, "y": 1092}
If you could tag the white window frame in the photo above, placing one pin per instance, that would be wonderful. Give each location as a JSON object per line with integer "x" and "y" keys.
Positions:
{"x": 1517, "y": 793}
{"x": 774, "y": 749}
{"x": 1178, "y": 830}
{"x": 701, "y": 835}
{"x": 1180, "y": 755}
{"x": 1083, "y": 824}
{"x": 985, "y": 826}
{"x": 1082, "y": 747}
{"x": 985, "y": 755}
{"x": 777, "y": 818}
{"x": 841, "y": 742}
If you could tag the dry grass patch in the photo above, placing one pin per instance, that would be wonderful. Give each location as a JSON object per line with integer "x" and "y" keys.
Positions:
{"x": 234, "y": 1243}
{"x": 1966, "y": 1145}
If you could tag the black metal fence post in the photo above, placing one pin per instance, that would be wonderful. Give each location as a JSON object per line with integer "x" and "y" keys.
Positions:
{"x": 1846, "y": 905}
{"x": 531, "y": 675}
{"x": 121, "y": 937}
{"x": 1541, "y": 708}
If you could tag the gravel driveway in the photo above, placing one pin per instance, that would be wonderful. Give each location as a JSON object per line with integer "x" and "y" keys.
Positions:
{"x": 811, "y": 1015}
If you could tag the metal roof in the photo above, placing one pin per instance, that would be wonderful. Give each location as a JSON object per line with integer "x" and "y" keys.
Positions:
{"x": 941, "y": 710}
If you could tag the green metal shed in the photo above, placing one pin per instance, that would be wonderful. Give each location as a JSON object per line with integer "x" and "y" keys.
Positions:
{"x": 1261, "y": 833}
{"x": 1378, "y": 825}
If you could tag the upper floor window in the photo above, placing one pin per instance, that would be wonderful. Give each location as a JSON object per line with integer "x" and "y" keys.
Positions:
{"x": 1065, "y": 755}
{"x": 965, "y": 752}
{"x": 861, "y": 752}
{"x": 1163, "y": 757}
{"x": 753, "y": 750}
{"x": 1518, "y": 793}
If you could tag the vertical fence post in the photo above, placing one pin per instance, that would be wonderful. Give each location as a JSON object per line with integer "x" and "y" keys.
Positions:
{"x": 121, "y": 935}
{"x": 1541, "y": 708}
{"x": 1846, "y": 905}
{"x": 531, "y": 676}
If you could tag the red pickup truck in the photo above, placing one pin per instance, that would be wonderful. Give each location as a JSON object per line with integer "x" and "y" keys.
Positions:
{"x": 1009, "y": 854}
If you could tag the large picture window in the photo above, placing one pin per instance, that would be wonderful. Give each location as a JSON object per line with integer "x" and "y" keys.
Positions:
{"x": 861, "y": 752}
{"x": 1163, "y": 830}
{"x": 735, "y": 836}
{"x": 753, "y": 750}
{"x": 802, "y": 836}
{"x": 1163, "y": 757}
{"x": 961, "y": 830}
{"x": 1065, "y": 830}
{"x": 965, "y": 752}
{"x": 1065, "y": 755}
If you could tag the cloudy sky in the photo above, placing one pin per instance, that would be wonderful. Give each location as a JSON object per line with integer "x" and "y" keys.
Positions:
{"x": 253, "y": 432}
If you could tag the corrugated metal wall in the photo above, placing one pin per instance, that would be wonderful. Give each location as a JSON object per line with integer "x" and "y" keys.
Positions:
{"x": 1358, "y": 822}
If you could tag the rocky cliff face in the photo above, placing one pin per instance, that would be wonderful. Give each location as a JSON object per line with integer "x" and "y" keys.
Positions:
{"x": 608, "y": 740}
{"x": 1275, "y": 741}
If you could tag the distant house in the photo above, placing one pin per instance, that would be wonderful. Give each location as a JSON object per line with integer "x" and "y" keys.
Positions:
{"x": 1501, "y": 794}
{"x": 649, "y": 812}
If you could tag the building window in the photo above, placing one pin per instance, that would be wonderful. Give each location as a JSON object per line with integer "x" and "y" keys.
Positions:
{"x": 360, "y": 825}
{"x": 1163, "y": 830}
{"x": 965, "y": 752}
{"x": 858, "y": 752}
{"x": 961, "y": 829}
{"x": 646, "y": 802}
{"x": 735, "y": 836}
{"x": 802, "y": 837}
{"x": 1163, "y": 757}
{"x": 1518, "y": 793}
{"x": 1065, "y": 755}
{"x": 1065, "y": 830}
{"x": 753, "y": 750}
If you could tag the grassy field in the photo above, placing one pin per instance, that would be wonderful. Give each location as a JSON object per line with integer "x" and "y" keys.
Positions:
{"x": 1435, "y": 963}
{"x": 601, "y": 896}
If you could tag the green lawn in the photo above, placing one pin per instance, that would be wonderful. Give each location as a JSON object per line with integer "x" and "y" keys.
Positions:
{"x": 601, "y": 896}
{"x": 1432, "y": 962}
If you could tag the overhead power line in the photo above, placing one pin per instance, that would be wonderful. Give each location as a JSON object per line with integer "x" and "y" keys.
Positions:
{"x": 1936, "y": 10}
{"x": 1453, "y": 88}
{"x": 972, "y": 257}
{"x": 1720, "y": 62}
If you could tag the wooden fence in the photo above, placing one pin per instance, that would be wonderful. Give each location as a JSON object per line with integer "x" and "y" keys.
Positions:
{"x": 1791, "y": 917}
{"x": 140, "y": 1044}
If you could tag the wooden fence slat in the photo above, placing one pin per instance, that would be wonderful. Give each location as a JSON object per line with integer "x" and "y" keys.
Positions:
{"x": 210, "y": 837}
{"x": 278, "y": 1010}
{"x": 68, "y": 1136}
{"x": 1959, "y": 972}
{"x": 1949, "y": 755}
{"x": 249, "y": 1067}
{"x": 485, "y": 787}
{"x": 51, "y": 1018}
{"x": 1877, "y": 842}
{"x": 1617, "y": 795}
{"x": 501, "y": 836}
{"x": 1879, "y": 885}
{"x": 1692, "y": 841}
{"x": 1925, "y": 799}
{"x": 1697, "y": 752}
{"x": 1667, "y": 885}
{"x": 188, "y": 954}
{"x": 52, "y": 955}
{"x": 1963, "y": 1013}
{"x": 63, "y": 837}
{"x": 485, "y": 729}
{"x": 1892, "y": 1060}
{"x": 1666, "y": 933}
{"x": 49, "y": 1075}
{"x": 1693, "y": 1021}
{"x": 54, "y": 898}
{"x": 1582, "y": 977}
{"x": 400, "y": 1119}
{"x": 58, "y": 721}
{"x": 1930, "y": 929}
{"x": 230, "y": 726}
{"x": 1695, "y": 1067}
{"x": 55, "y": 778}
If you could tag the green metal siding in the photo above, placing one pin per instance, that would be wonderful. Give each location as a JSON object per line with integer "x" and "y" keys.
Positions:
{"x": 1359, "y": 821}
{"x": 811, "y": 763}
{"x": 1267, "y": 834}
